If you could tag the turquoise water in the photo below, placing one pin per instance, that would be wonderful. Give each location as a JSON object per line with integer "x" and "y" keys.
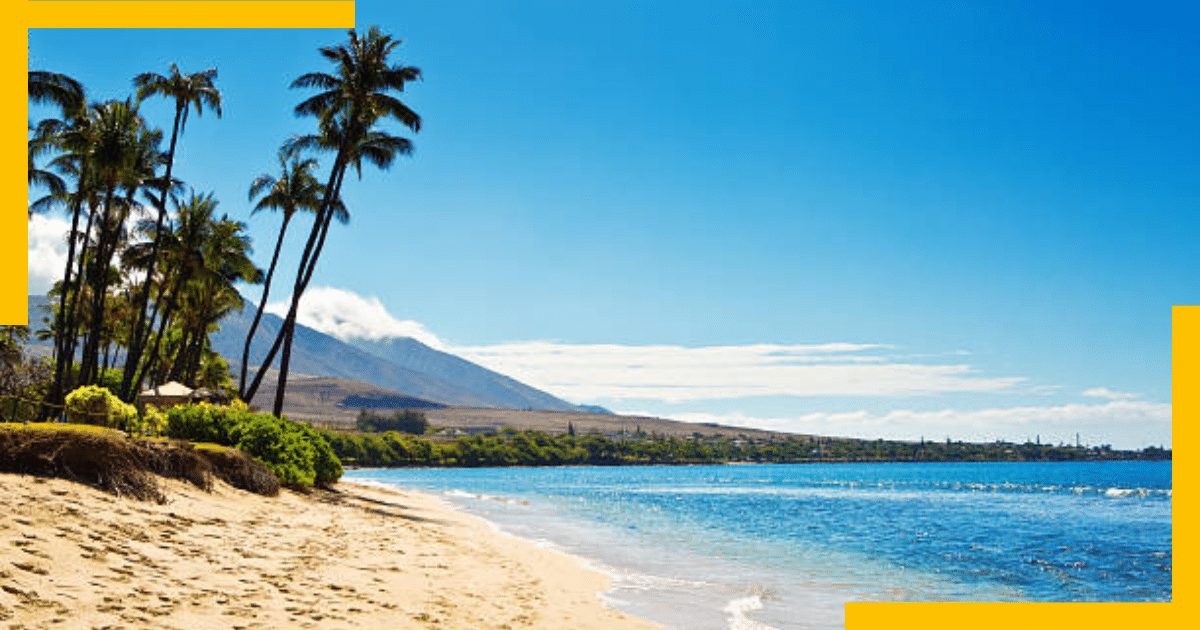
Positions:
{"x": 784, "y": 546}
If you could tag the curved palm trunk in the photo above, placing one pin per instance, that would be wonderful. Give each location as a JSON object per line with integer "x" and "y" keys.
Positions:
{"x": 139, "y": 337}
{"x": 301, "y": 283}
{"x": 262, "y": 303}
{"x": 285, "y": 360}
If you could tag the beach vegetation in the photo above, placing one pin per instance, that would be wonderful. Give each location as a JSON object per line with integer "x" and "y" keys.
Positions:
{"x": 298, "y": 455}
{"x": 512, "y": 447}
{"x": 106, "y": 459}
{"x": 93, "y": 404}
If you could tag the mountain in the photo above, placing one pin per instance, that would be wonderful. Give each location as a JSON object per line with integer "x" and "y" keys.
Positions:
{"x": 401, "y": 365}
{"x": 506, "y": 392}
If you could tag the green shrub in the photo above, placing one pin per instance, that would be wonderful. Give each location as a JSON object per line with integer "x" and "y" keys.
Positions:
{"x": 327, "y": 468}
{"x": 96, "y": 405}
{"x": 204, "y": 423}
{"x": 296, "y": 453}
{"x": 150, "y": 422}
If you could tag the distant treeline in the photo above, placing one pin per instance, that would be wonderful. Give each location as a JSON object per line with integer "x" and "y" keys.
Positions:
{"x": 510, "y": 447}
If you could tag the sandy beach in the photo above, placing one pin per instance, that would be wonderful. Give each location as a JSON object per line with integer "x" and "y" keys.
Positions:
{"x": 72, "y": 556}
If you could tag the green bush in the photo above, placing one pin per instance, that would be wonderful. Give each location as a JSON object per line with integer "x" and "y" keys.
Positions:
{"x": 286, "y": 451}
{"x": 150, "y": 422}
{"x": 298, "y": 455}
{"x": 327, "y": 468}
{"x": 96, "y": 405}
{"x": 204, "y": 423}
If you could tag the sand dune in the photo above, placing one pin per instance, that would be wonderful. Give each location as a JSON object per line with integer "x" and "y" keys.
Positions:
{"x": 72, "y": 556}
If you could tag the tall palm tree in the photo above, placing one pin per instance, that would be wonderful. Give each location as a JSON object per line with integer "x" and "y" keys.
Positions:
{"x": 189, "y": 91}
{"x": 351, "y": 102}
{"x": 69, "y": 95}
{"x": 295, "y": 189}
{"x": 123, "y": 157}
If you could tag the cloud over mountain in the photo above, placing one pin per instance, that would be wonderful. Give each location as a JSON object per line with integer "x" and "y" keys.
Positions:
{"x": 348, "y": 315}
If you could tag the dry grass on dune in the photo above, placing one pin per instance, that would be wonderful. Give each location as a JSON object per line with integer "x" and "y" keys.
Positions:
{"x": 127, "y": 467}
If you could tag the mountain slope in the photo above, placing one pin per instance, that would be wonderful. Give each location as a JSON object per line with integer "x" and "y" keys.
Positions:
{"x": 506, "y": 392}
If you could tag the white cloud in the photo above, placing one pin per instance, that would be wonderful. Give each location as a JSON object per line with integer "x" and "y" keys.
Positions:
{"x": 607, "y": 372}
{"x": 1104, "y": 392}
{"x": 47, "y": 252}
{"x": 347, "y": 315}
{"x": 1125, "y": 424}
{"x": 678, "y": 374}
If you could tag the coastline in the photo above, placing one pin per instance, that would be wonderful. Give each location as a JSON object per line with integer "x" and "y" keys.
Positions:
{"x": 362, "y": 556}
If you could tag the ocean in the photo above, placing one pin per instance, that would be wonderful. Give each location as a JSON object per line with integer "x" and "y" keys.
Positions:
{"x": 761, "y": 547}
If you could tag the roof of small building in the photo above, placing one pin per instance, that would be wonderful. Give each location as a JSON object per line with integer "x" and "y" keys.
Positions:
{"x": 167, "y": 390}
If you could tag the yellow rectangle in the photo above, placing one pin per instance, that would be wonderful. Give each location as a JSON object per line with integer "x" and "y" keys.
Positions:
{"x": 191, "y": 14}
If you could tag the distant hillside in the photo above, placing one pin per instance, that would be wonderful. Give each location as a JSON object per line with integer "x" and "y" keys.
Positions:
{"x": 505, "y": 392}
{"x": 403, "y": 366}
{"x": 334, "y": 402}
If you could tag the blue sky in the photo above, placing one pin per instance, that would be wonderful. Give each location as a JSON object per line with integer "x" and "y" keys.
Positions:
{"x": 991, "y": 209}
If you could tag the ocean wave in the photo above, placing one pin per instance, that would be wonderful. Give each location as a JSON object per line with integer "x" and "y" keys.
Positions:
{"x": 463, "y": 494}
{"x": 736, "y": 613}
{"x": 906, "y": 491}
{"x": 644, "y": 581}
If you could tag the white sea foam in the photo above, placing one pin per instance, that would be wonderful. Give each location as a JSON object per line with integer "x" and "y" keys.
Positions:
{"x": 737, "y": 611}
{"x": 462, "y": 494}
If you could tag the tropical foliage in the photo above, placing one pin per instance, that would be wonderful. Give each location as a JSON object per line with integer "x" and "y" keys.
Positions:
{"x": 93, "y": 404}
{"x": 297, "y": 454}
{"x": 150, "y": 271}
{"x": 510, "y": 447}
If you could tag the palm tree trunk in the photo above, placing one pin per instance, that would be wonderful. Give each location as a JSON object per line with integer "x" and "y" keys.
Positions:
{"x": 91, "y": 347}
{"x": 298, "y": 289}
{"x": 168, "y": 313}
{"x": 60, "y": 331}
{"x": 262, "y": 303}
{"x": 73, "y": 310}
{"x": 136, "y": 341}
{"x": 332, "y": 193}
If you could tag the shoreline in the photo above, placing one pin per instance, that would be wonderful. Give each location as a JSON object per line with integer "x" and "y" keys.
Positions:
{"x": 362, "y": 556}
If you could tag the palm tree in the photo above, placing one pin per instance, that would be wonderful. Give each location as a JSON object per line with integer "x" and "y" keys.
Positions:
{"x": 226, "y": 260}
{"x": 294, "y": 190}
{"x": 41, "y": 142}
{"x": 188, "y": 91}
{"x": 59, "y": 89}
{"x": 183, "y": 250}
{"x": 123, "y": 157}
{"x": 69, "y": 95}
{"x": 353, "y": 99}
